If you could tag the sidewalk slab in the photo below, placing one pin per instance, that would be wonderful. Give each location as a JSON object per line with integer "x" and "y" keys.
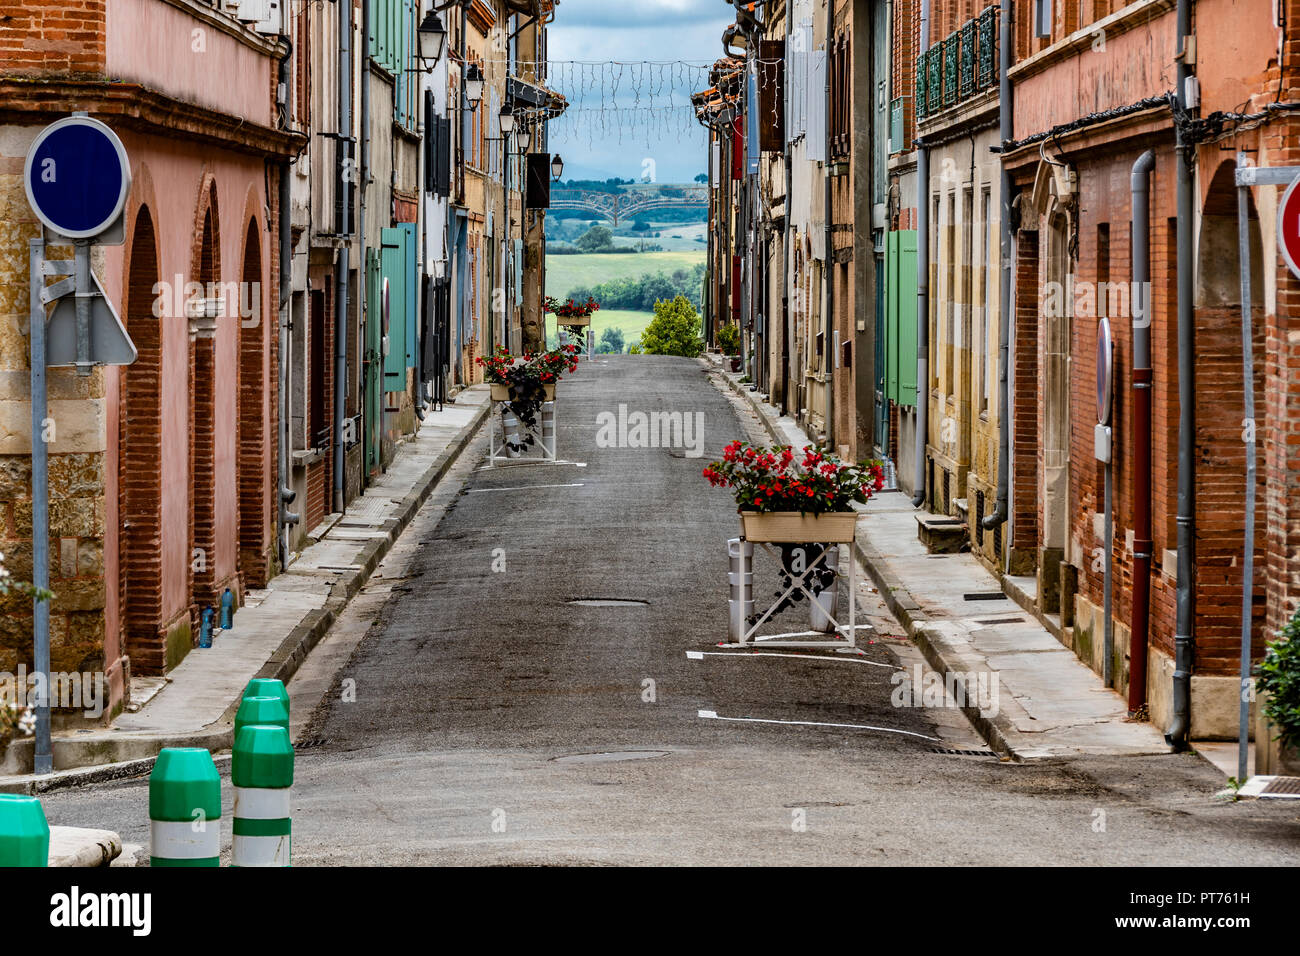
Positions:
{"x": 1050, "y": 704}
{"x": 279, "y": 626}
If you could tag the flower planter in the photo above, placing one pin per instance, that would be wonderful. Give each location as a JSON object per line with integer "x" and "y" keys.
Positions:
{"x": 792, "y": 527}
{"x": 568, "y": 322}
{"x": 501, "y": 393}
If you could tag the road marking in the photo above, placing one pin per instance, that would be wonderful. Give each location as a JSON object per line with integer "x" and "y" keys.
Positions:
{"x": 713, "y": 715}
{"x": 700, "y": 655}
{"x": 475, "y": 491}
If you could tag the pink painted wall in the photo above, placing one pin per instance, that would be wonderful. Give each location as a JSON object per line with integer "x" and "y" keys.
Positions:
{"x": 170, "y": 49}
{"x": 175, "y": 171}
{"x": 1134, "y": 65}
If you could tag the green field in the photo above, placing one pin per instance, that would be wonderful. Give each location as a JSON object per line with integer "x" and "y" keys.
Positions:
{"x": 632, "y": 324}
{"x": 566, "y": 272}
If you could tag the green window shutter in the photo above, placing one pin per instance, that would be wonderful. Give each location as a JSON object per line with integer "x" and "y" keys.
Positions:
{"x": 907, "y": 299}
{"x": 393, "y": 258}
{"x": 412, "y": 293}
{"x": 891, "y": 316}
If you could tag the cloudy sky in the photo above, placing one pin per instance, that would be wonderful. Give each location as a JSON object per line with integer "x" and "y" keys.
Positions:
{"x": 630, "y": 119}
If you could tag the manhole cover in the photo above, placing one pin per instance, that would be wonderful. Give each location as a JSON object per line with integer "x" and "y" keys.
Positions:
{"x": 609, "y": 602}
{"x": 611, "y": 756}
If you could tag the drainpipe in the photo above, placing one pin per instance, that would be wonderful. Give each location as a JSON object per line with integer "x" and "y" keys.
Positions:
{"x": 923, "y": 292}
{"x": 1179, "y": 731}
{"x": 363, "y": 177}
{"x": 1006, "y": 130}
{"x": 342, "y": 313}
{"x": 287, "y": 494}
{"x": 787, "y": 319}
{"x": 1139, "y": 624}
{"x": 828, "y": 323}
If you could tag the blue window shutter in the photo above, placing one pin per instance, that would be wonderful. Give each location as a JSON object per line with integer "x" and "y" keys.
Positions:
{"x": 393, "y": 268}
{"x": 412, "y": 277}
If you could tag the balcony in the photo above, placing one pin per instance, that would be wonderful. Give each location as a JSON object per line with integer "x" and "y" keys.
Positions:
{"x": 959, "y": 67}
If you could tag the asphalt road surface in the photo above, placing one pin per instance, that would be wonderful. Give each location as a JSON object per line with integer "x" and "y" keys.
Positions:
{"x": 471, "y": 713}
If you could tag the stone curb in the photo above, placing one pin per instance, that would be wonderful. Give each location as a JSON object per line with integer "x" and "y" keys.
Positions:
{"x": 135, "y": 754}
{"x": 998, "y": 731}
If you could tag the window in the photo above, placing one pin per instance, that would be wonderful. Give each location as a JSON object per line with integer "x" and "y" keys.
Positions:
{"x": 1042, "y": 18}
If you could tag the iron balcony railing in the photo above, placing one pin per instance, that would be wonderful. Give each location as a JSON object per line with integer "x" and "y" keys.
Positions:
{"x": 960, "y": 66}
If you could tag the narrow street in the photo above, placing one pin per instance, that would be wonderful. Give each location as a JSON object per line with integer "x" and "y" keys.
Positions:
{"x": 470, "y": 712}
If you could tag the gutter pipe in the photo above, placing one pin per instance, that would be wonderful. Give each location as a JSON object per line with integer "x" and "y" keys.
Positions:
{"x": 923, "y": 293}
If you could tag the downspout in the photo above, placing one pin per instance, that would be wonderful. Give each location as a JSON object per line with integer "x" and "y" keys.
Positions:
{"x": 363, "y": 176}
{"x": 923, "y": 290}
{"x": 287, "y": 494}
{"x": 342, "y": 314}
{"x": 828, "y": 322}
{"x": 1006, "y": 130}
{"x": 1139, "y": 624}
{"x": 787, "y": 320}
{"x": 1179, "y": 731}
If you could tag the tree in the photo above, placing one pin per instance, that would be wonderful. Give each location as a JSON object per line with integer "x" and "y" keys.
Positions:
{"x": 597, "y": 239}
{"x": 611, "y": 342}
{"x": 702, "y": 178}
{"x": 675, "y": 330}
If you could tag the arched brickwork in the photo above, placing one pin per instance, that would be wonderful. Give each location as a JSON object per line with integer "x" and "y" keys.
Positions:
{"x": 140, "y": 583}
{"x": 254, "y": 462}
{"x": 206, "y": 270}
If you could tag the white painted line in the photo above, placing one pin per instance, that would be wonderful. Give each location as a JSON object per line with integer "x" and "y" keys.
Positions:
{"x": 712, "y": 715}
{"x": 474, "y": 491}
{"x": 700, "y": 655}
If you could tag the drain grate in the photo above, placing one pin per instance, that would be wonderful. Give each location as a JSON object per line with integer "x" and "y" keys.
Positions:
{"x": 611, "y": 756}
{"x": 983, "y": 596}
{"x": 608, "y": 602}
{"x": 1283, "y": 787}
{"x": 948, "y": 751}
{"x": 1000, "y": 620}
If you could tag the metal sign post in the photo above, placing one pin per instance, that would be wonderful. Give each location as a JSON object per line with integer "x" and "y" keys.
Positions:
{"x": 1288, "y": 239}
{"x": 77, "y": 178}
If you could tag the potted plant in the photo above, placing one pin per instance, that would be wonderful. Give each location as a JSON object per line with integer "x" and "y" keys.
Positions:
{"x": 1279, "y": 690}
{"x": 571, "y": 315}
{"x": 729, "y": 342}
{"x": 16, "y": 718}
{"x": 786, "y": 496}
{"x": 523, "y": 384}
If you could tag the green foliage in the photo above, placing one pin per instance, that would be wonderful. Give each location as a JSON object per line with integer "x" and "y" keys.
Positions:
{"x": 611, "y": 342}
{"x": 1280, "y": 679}
{"x": 702, "y": 178}
{"x": 640, "y": 294}
{"x": 675, "y": 329}
{"x": 597, "y": 239}
{"x": 729, "y": 339}
{"x": 635, "y": 348}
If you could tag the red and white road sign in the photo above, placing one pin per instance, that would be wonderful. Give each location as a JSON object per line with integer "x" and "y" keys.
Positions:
{"x": 1288, "y": 227}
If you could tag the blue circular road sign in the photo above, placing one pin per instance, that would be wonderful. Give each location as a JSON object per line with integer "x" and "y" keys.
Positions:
{"x": 77, "y": 177}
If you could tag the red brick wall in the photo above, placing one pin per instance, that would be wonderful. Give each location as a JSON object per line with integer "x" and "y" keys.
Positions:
{"x": 1024, "y": 464}
{"x": 256, "y": 483}
{"x": 45, "y": 36}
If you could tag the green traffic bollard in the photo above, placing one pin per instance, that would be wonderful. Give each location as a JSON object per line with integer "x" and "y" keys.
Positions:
{"x": 261, "y": 769}
{"x": 185, "y": 809}
{"x": 267, "y": 687}
{"x": 24, "y": 833}
{"x": 261, "y": 710}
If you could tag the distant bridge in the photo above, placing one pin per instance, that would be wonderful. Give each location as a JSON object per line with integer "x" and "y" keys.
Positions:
{"x": 629, "y": 200}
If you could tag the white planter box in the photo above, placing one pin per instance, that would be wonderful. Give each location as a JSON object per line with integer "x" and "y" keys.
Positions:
{"x": 791, "y": 527}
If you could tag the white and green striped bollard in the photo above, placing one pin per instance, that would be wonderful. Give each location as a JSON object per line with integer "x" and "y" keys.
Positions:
{"x": 262, "y": 771}
{"x": 184, "y": 809}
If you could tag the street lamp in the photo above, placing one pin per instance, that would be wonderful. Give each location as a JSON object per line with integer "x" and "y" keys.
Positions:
{"x": 473, "y": 86}
{"x": 507, "y": 117}
{"x": 432, "y": 37}
{"x": 557, "y": 167}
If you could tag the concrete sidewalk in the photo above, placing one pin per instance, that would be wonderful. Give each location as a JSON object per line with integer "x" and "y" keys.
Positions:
{"x": 1049, "y": 703}
{"x": 273, "y": 632}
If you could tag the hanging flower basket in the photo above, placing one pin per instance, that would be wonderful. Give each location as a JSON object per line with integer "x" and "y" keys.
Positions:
{"x": 526, "y": 383}
{"x": 791, "y": 498}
